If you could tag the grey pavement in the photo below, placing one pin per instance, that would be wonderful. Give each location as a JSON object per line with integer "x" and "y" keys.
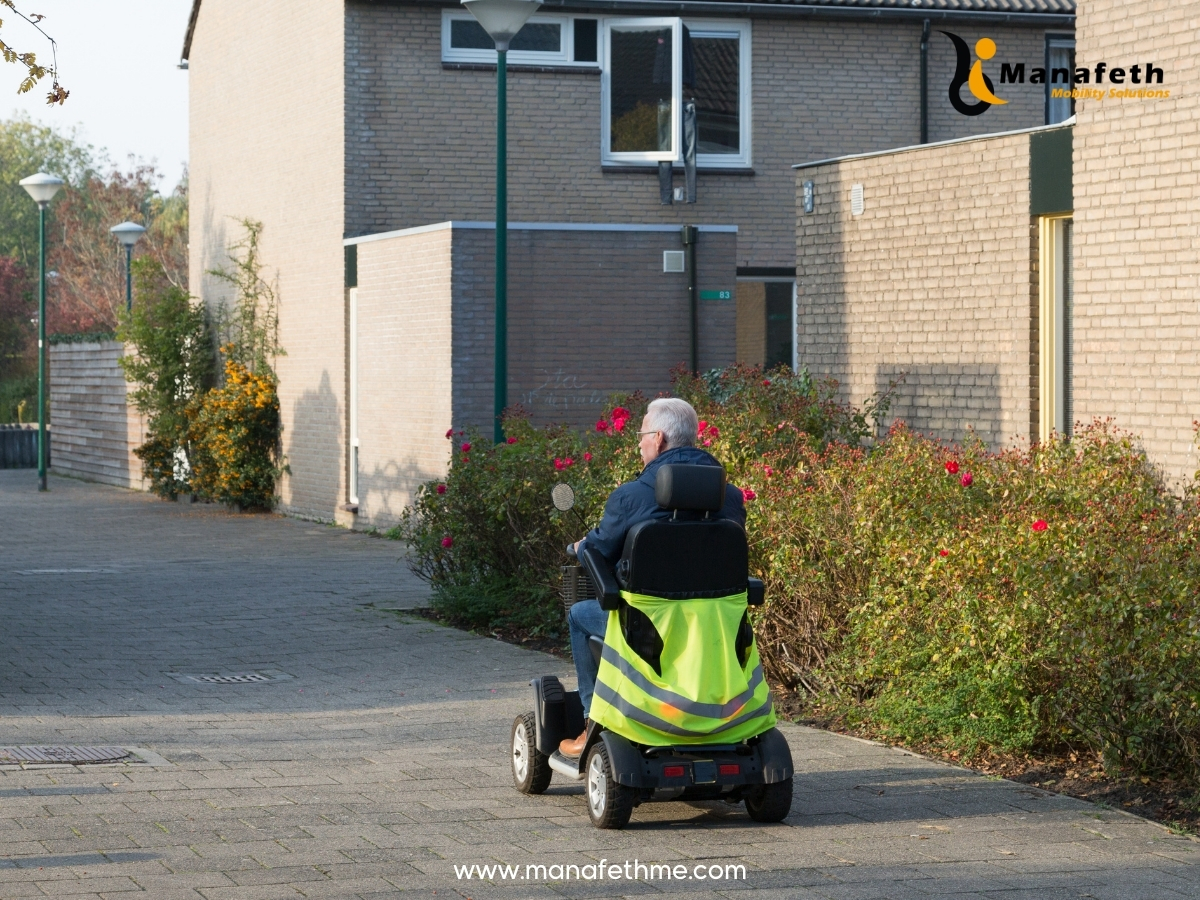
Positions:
{"x": 375, "y": 760}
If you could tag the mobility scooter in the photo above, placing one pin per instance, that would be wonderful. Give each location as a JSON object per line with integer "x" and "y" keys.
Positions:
{"x": 681, "y": 710}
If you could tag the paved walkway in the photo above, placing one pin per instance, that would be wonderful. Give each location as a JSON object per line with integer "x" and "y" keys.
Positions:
{"x": 380, "y": 764}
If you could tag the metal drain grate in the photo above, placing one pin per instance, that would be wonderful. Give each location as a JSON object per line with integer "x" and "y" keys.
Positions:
{"x": 249, "y": 678}
{"x": 71, "y": 755}
{"x": 259, "y": 676}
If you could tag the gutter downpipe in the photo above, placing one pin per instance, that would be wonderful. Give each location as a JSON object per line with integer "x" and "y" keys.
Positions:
{"x": 689, "y": 235}
{"x": 925, "y": 82}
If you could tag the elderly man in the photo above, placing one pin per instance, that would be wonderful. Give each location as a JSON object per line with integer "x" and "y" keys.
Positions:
{"x": 667, "y": 436}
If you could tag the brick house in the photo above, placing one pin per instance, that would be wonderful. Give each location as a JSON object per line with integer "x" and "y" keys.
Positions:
{"x": 362, "y": 134}
{"x": 1053, "y": 282}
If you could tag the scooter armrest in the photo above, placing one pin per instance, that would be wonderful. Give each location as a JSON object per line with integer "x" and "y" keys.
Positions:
{"x": 601, "y": 573}
{"x": 756, "y": 592}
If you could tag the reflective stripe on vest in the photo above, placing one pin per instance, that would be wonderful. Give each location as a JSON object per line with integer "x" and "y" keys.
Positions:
{"x": 703, "y": 692}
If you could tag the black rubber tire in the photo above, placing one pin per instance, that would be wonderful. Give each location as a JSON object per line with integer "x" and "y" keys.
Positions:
{"x": 770, "y": 802}
{"x": 609, "y": 804}
{"x": 533, "y": 777}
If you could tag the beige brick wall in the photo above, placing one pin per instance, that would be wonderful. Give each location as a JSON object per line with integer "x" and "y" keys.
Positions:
{"x": 1137, "y": 231}
{"x": 404, "y": 370}
{"x": 267, "y": 116}
{"x": 95, "y": 431}
{"x": 591, "y": 313}
{"x": 935, "y": 280}
{"x": 820, "y": 89}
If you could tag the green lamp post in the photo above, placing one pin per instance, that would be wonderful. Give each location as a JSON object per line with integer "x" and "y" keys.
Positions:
{"x": 42, "y": 188}
{"x": 501, "y": 19}
{"x": 128, "y": 233}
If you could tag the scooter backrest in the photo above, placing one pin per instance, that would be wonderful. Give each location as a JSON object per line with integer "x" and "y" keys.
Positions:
{"x": 681, "y": 560}
{"x": 691, "y": 488}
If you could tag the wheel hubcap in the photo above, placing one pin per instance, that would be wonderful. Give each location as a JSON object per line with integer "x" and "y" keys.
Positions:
{"x": 597, "y": 786}
{"x": 520, "y": 760}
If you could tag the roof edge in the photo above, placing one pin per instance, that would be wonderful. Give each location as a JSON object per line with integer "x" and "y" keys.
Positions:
{"x": 1068, "y": 123}
{"x": 767, "y": 9}
{"x": 191, "y": 30}
{"x": 466, "y": 225}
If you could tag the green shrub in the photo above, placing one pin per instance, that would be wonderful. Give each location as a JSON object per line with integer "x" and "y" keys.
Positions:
{"x": 18, "y": 399}
{"x": 931, "y": 593}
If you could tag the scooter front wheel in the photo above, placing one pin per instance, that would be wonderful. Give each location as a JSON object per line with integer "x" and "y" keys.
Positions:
{"x": 530, "y": 767}
{"x": 609, "y": 804}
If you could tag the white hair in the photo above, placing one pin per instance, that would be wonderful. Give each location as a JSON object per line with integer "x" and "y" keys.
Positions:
{"x": 675, "y": 419}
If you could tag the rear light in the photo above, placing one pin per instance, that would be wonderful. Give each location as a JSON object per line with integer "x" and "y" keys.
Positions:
{"x": 673, "y": 771}
{"x": 730, "y": 769}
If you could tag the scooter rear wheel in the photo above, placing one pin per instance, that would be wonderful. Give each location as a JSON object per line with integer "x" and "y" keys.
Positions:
{"x": 530, "y": 767}
{"x": 770, "y": 802}
{"x": 609, "y": 804}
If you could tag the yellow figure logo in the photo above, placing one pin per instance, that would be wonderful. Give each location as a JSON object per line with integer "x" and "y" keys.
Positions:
{"x": 985, "y": 48}
{"x": 972, "y": 76}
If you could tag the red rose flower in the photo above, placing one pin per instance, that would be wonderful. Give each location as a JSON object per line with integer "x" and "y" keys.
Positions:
{"x": 943, "y": 553}
{"x": 441, "y": 489}
{"x": 952, "y": 467}
{"x": 602, "y": 425}
{"x": 1040, "y": 525}
{"x": 619, "y": 424}
{"x": 766, "y": 382}
{"x": 447, "y": 542}
{"x": 748, "y": 494}
{"x": 559, "y": 464}
{"x": 967, "y": 479}
{"x": 587, "y": 457}
{"x": 512, "y": 440}
{"x": 568, "y": 462}
{"x": 465, "y": 448}
{"x": 703, "y": 425}
{"x": 769, "y": 471}
{"x": 714, "y": 431}
{"x": 708, "y": 443}
{"x": 449, "y": 433}
{"x": 621, "y": 413}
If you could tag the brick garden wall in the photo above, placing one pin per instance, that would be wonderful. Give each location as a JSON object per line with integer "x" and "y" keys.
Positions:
{"x": 936, "y": 280}
{"x": 820, "y": 89}
{"x": 1137, "y": 231}
{"x": 94, "y": 429}
{"x": 591, "y": 313}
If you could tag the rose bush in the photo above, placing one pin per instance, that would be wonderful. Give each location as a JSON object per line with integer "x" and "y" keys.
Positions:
{"x": 937, "y": 594}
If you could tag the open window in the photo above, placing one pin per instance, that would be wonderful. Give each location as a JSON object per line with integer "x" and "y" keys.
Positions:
{"x": 650, "y": 66}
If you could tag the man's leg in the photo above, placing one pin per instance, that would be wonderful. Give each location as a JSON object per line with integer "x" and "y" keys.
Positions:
{"x": 585, "y": 619}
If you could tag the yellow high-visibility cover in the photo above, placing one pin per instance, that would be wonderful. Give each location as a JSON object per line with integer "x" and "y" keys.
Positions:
{"x": 704, "y": 695}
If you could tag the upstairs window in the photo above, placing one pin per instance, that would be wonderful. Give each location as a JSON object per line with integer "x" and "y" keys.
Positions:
{"x": 651, "y": 66}
{"x": 543, "y": 41}
{"x": 1060, "y": 64}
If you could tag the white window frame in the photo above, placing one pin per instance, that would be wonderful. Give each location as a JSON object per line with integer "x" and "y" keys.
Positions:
{"x": 675, "y": 154}
{"x": 738, "y": 28}
{"x": 564, "y": 57}
{"x": 742, "y": 30}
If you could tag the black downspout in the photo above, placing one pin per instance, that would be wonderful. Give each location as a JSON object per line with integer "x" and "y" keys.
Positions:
{"x": 925, "y": 83}
{"x": 689, "y": 241}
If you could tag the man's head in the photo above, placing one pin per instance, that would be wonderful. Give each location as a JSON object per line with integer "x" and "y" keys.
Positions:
{"x": 669, "y": 423}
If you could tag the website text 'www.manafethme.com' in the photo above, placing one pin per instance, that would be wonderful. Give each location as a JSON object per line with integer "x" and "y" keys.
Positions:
{"x": 630, "y": 870}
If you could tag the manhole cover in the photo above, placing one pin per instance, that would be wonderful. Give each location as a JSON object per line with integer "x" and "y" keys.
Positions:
{"x": 71, "y": 755}
{"x": 260, "y": 676}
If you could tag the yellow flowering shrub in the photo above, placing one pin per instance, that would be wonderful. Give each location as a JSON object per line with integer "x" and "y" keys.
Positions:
{"x": 234, "y": 439}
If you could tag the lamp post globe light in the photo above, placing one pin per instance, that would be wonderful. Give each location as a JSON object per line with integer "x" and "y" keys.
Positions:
{"x": 501, "y": 19}
{"x": 128, "y": 234}
{"x": 42, "y": 188}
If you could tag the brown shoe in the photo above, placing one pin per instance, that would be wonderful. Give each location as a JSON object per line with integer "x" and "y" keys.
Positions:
{"x": 574, "y": 747}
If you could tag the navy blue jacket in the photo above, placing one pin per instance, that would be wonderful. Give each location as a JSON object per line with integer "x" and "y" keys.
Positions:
{"x": 634, "y": 502}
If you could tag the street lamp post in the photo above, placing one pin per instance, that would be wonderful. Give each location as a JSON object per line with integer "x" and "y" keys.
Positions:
{"x": 42, "y": 188}
{"x": 501, "y": 19}
{"x": 128, "y": 233}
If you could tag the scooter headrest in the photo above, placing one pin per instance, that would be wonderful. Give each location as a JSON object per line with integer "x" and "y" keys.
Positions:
{"x": 699, "y": 488}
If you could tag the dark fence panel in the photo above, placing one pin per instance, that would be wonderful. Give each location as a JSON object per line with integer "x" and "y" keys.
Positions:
{"x": 19, "y": 447}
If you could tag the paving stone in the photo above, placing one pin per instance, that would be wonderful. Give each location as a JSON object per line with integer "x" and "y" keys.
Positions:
{"x": 381, "y": 764}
